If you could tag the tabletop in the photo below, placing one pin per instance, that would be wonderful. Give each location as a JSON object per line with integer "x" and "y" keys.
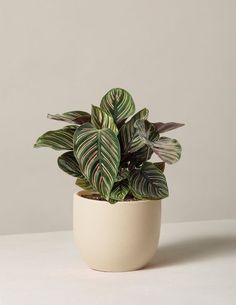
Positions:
{"x": 195, "y": 264}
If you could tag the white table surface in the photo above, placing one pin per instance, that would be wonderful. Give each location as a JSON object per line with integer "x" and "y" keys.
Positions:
{"x": 195, "y": 264}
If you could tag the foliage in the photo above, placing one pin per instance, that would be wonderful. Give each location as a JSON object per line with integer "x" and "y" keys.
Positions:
{"x": 108, "y": 153}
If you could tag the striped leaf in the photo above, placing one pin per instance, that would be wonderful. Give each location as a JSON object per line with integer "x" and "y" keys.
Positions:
{"x": 119, "y": 104}
{"x": 68, "y": 163}
{"x": 141, "y": 155}
{"x": 169, "y": 150}
{"x": 122, "y": 174}
{"x": 61, "y": 139}
{"x": 134, "y": 193}
{"x": 146, "y": 131}
{"x": 119, "y": 191}
{"x": 164, "y": 127}
{"x": 98, "y": 154}
{"x": 83, "y": 183}
{"x": 100, "y": 119}
{"x": 130, "y": 140}
{"x": 160, "y": 165}
{"x": 74, "y": 117}
{"x": 148, "y": 182}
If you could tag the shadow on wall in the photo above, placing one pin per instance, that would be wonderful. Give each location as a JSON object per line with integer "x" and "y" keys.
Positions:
{"x": 192, "y": 250}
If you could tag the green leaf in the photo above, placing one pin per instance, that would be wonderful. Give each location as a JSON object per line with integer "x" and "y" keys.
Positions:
{"x": 149, "y": 182}
{"x": 83, "y": 183}
{"x": 61, "y": 139}
{"x": 100, "y": 119}
{"x": 141, "y": 155}
{"x": 119, "y": 190}
{"x": 68, "y": 163}
{"x": 130, "y": 140}
{"x": 146, "y": 131}
{"x": 135, "y": 194}
{"x": 119, "y": 104}
{"x": 98, "y": 154}
{"x": 160, "y": 165}
{"x": 164, "y": 127}
{"x": 122, "y": 174}
{"x": 77, "y": 117}
{"x": 169, "y": 150}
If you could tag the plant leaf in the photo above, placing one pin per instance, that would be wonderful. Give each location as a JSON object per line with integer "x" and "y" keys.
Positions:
{"x": 130, "y": 140}
{"x": 61, "y": 139}
{"x": 100, "y": 119}
{"x": 169, "y": 150}
{"x": 119, "y": 104}
{"x": 83, "y": 183}
{"x": 77, "y": 117}
{"x": 146, "y": 131}
{"x": 160, "y": 165}
{"x": 141, "y": 155}
{"x": 149, "y": 182}
{"x": 164, "y": 127}
{"x": 98, "y": 154}
{"x": 122, "y": 174}
{"x": 69, "y": 164}
{"x": 119, "y": 190}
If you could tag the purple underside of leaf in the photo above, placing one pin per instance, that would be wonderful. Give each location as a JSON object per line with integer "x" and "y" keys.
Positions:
{"x": 164, "y": 127}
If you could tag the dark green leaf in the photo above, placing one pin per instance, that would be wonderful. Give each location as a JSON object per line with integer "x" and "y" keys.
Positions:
{"x": 83, "y": 183}
{"x": 160, "y": 165}
{"x": 119, "y": 104}
{"x": 61, "y": 139}
{"x": 69, "y": 164}
{"x": 119, "y": 190}
{"x": 130, "y": 140}
{"x": 74, "y": 117}
{"x": 122, "y": 174}
{"x": 148, "y": 182}
{"x": 98, "y": 154}
{"x": 100, "y": 119}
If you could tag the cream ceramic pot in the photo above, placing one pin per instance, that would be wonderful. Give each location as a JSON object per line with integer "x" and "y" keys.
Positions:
{"x": 116, "y": 237}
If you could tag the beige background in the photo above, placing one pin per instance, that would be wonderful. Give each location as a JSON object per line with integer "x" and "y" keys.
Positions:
{"x": 175, "y": 57}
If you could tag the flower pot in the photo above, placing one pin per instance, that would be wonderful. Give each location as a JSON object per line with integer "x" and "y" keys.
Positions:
{"x": 116, "y": 237}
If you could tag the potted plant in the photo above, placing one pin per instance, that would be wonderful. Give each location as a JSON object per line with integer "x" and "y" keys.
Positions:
{"x": 117, "y": 216}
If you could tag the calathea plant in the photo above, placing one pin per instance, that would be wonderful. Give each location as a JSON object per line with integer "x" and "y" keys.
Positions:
{"x": 108, "y": 153}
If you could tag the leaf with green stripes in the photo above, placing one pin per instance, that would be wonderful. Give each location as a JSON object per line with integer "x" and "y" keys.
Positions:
{"x": 98, "y": 154}
{"x": 141, "y": 155}
{"x": 60, "y": 139}
{"x": 68, "y": 163}
{"x": 160, "y": 165}
{"x": 83, "y": 183}
{"x": 100, "y": 119}
{"x": 122, "y": 174}
{"x": 119, "y": 104}
{"x": 74, "y": 117}
{"x": 148, "y": 182}
{"x": 169, "y": 150}
{"x": 129, "y": 137}
{"x": 119, "y": 190}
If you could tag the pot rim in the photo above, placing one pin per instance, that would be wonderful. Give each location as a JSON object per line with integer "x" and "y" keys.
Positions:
{"x": 84, "y": 192}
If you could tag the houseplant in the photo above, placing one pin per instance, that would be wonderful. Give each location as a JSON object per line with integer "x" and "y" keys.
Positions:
{"x": 117, "y": 216}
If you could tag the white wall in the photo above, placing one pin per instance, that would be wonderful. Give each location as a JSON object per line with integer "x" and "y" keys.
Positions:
{"x": 175, "y": 57}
